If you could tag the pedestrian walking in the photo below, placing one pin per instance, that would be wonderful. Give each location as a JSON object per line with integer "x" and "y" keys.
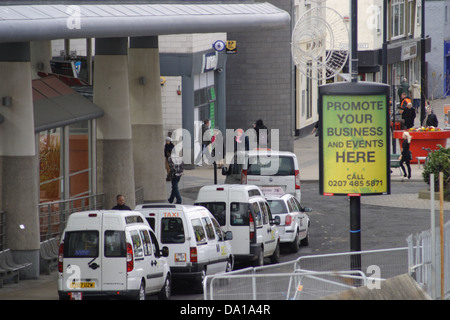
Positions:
{"x": 262, "y": 138}
{"x": 168, "y": 147}
{"x": 406, "y": 155}
{"x": 176, "y": 165}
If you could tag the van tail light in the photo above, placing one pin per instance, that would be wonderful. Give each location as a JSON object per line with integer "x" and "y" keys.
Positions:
{"x": 130, "y": 261}
{"x": 288, "y": 220}
{"x": 244, "y": 177}
{"x": 193, "y": 254}
{"x": 297, "y": 179}
{"x": 60, "y": 257}
{"x": 252, "y": 226}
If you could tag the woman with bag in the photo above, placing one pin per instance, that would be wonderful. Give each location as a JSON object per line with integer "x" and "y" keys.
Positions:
{"x": 406, "y": 156}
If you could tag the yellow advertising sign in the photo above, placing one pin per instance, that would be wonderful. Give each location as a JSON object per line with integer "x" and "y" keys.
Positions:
{"x": 231, "y": 46}
{"x": 354, "y": 145}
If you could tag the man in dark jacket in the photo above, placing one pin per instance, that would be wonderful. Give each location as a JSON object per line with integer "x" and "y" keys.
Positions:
{"x": 120, "y": 203}
{"x": 262, "y": 133}
{"x": 409, "y": 114}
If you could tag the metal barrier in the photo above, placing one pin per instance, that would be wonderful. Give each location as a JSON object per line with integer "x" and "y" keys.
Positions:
{"x": 425, "y": 269}
{"x": 382, "y": 263}
{"x": 297, "y": 285}
{"x": 53, "y": 215}
{"x": 308, "y": 277}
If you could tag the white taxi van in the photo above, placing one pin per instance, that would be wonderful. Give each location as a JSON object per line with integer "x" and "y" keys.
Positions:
{"x": 243, "y": 210}
{"x": 111, "y": 253}
{"x": 266, "y": 168}
{"x": 197, "y": 244}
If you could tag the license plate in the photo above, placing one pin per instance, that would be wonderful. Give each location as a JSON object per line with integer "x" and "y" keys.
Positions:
{"x": 82, "y": 285}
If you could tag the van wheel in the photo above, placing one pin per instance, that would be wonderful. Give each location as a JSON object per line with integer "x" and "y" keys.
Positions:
{"x": 295, "y": 245}
{"x": 305, "y": 241}
{"x": 166, "y": 290}
{"x": 141, "y": 295}
{"x": 229, "y": 266}
{"x": 260, "y": 259}
{"x": 275, "y": 258}
{"x": 199, "y": 283}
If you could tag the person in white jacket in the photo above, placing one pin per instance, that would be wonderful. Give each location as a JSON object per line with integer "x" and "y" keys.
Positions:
{"x": 414, "y": 91}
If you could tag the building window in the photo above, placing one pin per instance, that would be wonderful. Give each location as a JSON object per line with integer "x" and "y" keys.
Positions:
{"x": 398, "y": 19}
{"x": 50, "y": 165}
{"x": 65, "y": 162}
{"x": 205, "y": 101}
{"x": 411, "y": 15}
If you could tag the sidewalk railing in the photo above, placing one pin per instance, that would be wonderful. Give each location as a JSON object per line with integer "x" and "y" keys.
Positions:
{"x": 53, "y": 215}
{"x": 308, "y": 277}
{"x": 426, "y": 270}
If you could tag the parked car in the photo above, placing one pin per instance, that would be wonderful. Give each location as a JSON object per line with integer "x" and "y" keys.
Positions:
{"x": 294, "y": 222}
{"x": 266, "y": 168}
{"x": 111, "y": 253}
{"x": 243, "y": 210}
{"x": 197, "y": 244}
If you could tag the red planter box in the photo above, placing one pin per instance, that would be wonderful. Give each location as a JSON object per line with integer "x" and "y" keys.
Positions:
{"x": 423, "y": 139}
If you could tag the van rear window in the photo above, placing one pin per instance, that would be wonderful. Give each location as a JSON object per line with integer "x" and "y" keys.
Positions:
{"x": 172, "y": 230}
{"x": 81, "y": 244}
{"x": 218, "y": 210}
{"x": 277, "y": 166}
{"x": 115, "y": 245}
{"x": 239, "y": 214}
{"x": 277, "y": 206}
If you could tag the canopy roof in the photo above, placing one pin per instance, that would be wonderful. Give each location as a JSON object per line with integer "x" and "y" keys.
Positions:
{"x": 20, "y": 23}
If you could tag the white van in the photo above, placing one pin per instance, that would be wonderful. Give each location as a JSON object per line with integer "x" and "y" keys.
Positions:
{"x": 243, "y": 210}
{"x": 266, "y": 168}
{"x": 197, "y": 244}
{"x": 111, "y": 253}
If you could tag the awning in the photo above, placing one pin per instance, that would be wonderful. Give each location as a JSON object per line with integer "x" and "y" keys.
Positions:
{"x": 20, "y": 23}
{"x": 57, "y": 105}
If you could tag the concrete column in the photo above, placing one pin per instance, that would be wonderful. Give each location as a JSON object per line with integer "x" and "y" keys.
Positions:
{"x": 187, "y": 87}
{"x": 115, "y": 168}
{"x": 20, "y": 164}
{"x": 146, "y": 117}
{"x": 41, "y": 53}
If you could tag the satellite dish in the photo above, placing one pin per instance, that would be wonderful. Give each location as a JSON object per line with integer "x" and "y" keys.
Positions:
{"x": 320, "y": 43}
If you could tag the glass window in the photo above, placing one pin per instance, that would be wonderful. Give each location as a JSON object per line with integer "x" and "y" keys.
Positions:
{"x": 239, "y": 214}
{"x": 137, "y": 244}
{"x": 265, "y": 213}
{"x": 277, "y": 206}
{"x": 155, "y": 244}
{"x": 50, "y": 165}
{"x": 219, "y": 231}
{"x": 81, "y": 244}
{"x": 398, "y": 18}
{"x": 257, "y": 213}
{"x": 209, "y": 228}
{"x": 146, "y": 242}
{"x": 115, "y": 244}
{"x": 172, "y": 230}
{"x": 284, "y": 167}
{"x": 218, "y": 210}
{"x": 78, "y": 162}
{"x": 199, "y": 232}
